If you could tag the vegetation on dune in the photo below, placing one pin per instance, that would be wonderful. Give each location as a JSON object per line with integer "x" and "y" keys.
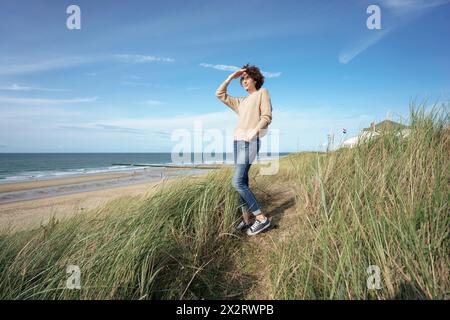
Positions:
{"x": 383, "y": 203}
{"x": 174, "y": 243}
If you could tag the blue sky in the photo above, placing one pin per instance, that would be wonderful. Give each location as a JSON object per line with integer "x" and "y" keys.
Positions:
{"x": 137, "y": 70}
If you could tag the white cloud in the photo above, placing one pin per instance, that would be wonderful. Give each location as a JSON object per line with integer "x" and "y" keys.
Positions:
{"x": 307, "y": 128}
{"x": 16, "y": 87}
{"x": 14, "y": 113}
{"x": 398, "y": 12}
{"x": 271, "y": 74}
{"x": 412, "y": 5}
{"x": 46, "y": 65}
{"x": 136, "y": 58}
{"x": 44, "y": 102}
{"x": 101, "y": 127}
{"x": 224, "y": 67}
{"x": 74, "y": 61}
{"x": 297, "y": 126}
{"x": 349, "y": 54}
{"x": 221, "y": 119}
{"x": 219, "y": 67}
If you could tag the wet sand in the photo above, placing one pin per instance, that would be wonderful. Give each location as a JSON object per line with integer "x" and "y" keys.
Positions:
{"x": 29, "y": 213}
{"x": 38, "y": 189}
{"x": 8, "y": 187}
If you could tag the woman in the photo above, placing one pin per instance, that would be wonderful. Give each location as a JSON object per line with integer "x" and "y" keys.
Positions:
{"x": 254, "y": 115}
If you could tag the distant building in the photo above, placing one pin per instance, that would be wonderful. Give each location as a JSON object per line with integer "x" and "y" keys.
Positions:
{"x": 375, "y": 130}
{"x": 384, "y": 125}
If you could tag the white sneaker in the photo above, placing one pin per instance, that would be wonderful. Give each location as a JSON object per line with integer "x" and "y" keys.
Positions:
{"x": 258, "y": 226}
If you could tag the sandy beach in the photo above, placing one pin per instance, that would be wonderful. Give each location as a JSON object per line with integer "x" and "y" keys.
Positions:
{"x": 9, "y": 187}
{"x": 24, "y": 214}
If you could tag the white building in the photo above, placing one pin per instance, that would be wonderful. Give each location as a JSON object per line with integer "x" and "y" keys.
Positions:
{"x": 373, "y": 131}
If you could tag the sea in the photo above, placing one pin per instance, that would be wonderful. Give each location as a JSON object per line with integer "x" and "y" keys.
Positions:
{"x": 18, "y": 167}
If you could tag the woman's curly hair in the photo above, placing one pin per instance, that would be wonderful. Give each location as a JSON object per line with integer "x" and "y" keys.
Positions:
{"x": 254, "y": 73}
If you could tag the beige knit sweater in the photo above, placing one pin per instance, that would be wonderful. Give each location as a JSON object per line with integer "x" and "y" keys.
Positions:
{"x": 254, "y": 111}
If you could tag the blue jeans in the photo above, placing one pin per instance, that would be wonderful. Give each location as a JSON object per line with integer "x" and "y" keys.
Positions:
{"x": 244, "y": 154}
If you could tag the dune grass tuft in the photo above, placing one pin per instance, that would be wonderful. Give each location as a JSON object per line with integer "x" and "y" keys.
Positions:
{"x": 384, "y": 203}
{"x": 173, "y": 243}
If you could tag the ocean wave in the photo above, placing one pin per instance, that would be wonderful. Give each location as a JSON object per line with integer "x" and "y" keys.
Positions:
{"x": 42, "y": 175}
{"x": 50, "y": 174}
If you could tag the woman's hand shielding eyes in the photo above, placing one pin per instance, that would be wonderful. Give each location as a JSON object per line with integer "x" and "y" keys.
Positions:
{"x": 237, "y": 74}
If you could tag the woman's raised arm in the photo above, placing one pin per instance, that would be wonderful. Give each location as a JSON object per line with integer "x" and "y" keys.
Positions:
{"x": 221, "y": 92}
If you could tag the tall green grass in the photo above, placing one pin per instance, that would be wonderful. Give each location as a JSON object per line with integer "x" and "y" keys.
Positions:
{"x": 383, "y": 203}
{"x": 171, "y": 244}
